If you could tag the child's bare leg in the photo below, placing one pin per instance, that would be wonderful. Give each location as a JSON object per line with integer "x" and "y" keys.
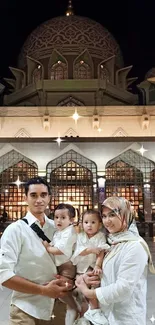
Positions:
{"x": 70, "y": 301}
{"x": 81, "y": 300}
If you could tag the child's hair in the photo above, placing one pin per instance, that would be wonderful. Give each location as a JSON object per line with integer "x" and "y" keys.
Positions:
{"x": 94, "y": 212}
{"x": 69, "y": 207}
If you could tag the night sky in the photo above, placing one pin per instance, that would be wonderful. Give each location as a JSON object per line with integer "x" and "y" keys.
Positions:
{"x": 132, "y": 23}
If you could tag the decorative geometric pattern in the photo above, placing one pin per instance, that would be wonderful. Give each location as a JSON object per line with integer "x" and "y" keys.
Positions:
{"x": 119, "y": 133}
{"x": 72, "y": 175}
{"x": 58, "y": 71}
{"x": 82, "y": 71}
{"x": 70, "y": 101}
{"x": 22, "y": 133}
{"x": 71, "y": 133}
{"x": 70, "y": 35}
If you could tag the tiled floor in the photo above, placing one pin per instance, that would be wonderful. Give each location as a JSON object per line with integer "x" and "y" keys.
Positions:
{"x": 6, "y": 294}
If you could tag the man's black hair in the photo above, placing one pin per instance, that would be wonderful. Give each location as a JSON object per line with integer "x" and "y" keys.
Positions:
{"x": 69, "y": 207}
{"x": 34, "y": 181}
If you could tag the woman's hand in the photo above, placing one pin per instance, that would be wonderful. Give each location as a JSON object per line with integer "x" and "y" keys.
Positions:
{"x": 89, "y": 293}
{"x": 91, "y": 279}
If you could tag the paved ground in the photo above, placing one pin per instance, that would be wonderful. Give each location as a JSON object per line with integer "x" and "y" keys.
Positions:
{"x": 59, "y": 308}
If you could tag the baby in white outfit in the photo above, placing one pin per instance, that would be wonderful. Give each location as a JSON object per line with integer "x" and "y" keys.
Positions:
{"x": 88, "y": 255}
{"x": 61, "y": 247}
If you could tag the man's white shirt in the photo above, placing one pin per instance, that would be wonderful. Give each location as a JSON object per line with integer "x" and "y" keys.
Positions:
{"x": 23, "y": 254}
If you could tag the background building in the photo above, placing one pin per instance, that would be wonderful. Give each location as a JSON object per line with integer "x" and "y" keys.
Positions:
{"x": 71, "y": 84}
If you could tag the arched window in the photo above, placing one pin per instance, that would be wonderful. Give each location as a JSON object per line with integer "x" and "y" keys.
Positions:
{"x": 73, "y": 178}
{"x": 131, "y": 175}
{"x": 37, "y": 74}
{"x": 58, "y": 71}
{"x": 82, "y": 71}
{"x": 15, "y": 168}
{"x": 104, "y": 73}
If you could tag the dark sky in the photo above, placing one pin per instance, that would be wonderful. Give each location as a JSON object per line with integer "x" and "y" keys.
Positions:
{"x": 132, "y": 23}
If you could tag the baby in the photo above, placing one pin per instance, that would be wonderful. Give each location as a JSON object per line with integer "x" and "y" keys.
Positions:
{"x": 61, "y": 247}
{"x": 88, "y": 255}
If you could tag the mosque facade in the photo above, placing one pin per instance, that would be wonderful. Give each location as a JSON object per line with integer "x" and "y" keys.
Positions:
{"x": 71, "y": 117}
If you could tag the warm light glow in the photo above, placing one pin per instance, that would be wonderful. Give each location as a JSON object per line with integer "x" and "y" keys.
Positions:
{"x": 75, "y": 116}
{"x": 142, "y": 150}
{"x": 99, "y": 129}
{"x": 21, "y": 203}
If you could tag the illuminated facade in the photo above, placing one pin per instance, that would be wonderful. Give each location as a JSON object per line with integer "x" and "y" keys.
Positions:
{"x": 70, "y": 65}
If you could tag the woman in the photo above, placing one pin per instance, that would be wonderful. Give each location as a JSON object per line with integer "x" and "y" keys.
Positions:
{"x": 122, "y": 294}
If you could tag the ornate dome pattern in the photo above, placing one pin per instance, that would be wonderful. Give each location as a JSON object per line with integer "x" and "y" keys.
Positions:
{"x": 70, "y": 35}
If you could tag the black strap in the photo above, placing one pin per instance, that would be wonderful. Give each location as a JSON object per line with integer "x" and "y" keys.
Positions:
{"x": 38, "y": 230}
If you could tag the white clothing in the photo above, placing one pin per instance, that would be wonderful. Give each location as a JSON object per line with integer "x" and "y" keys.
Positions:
{"x": 64, "y": 240}
{"x": 122, "y": 294}
{"x": 22, "y": 253}
{"x": 83, "y": 242}
{"x": 133, "y": 228}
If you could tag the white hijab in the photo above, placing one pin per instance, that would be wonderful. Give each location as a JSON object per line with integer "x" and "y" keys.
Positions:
{"x": 122, "y": 207}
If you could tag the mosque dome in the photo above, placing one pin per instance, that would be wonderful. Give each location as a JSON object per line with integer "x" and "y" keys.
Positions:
{"x": 70, "y": 36}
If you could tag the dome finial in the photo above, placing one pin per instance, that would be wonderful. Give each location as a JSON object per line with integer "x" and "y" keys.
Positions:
{"x": 70, "y": 11}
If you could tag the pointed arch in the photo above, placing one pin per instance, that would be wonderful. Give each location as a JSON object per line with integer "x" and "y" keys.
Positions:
{"x": 35, "y": 70}
{"x": 106, "y": 69}
{"x": 57, "y": 66}
{"x": 129, "y": 175}
{"x": 37, "y": 74}
{"x": 70, "y": 101}
{"x": 83, "y": 67}
{"x": 104, "y": 73}
{"x": 73, "y": 177}
{"x": 13, "y": 166}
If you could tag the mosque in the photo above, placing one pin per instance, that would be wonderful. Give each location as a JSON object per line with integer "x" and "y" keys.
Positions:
{"x": 71, "y": 116}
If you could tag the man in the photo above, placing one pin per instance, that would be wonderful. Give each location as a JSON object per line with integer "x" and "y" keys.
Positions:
{"x": 25, "y": 265}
